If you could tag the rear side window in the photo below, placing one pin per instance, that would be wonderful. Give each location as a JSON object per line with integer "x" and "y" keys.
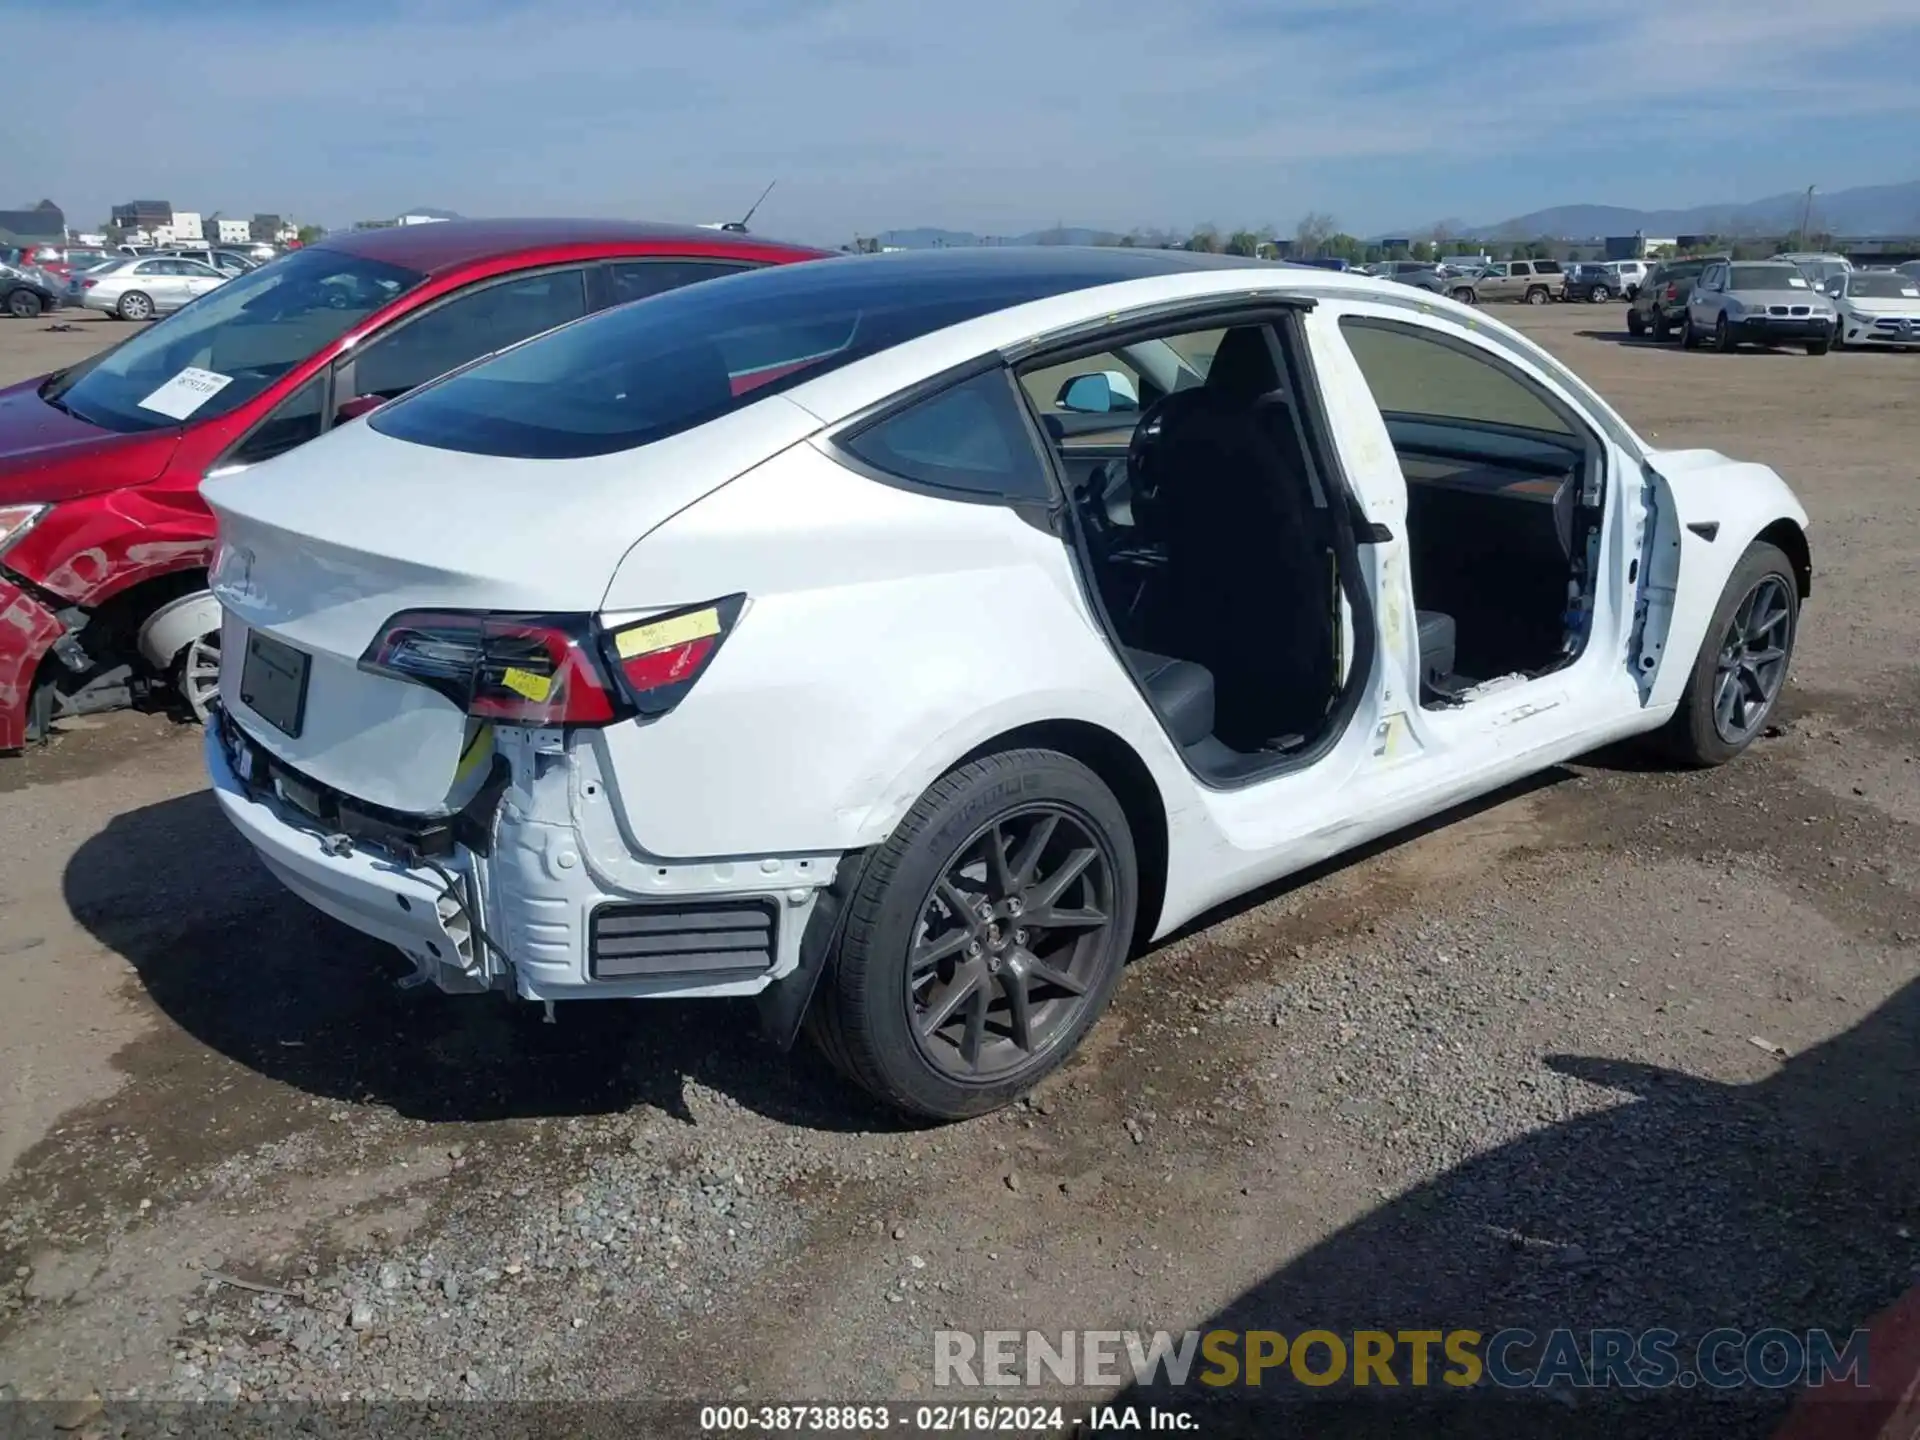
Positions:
{"x": 637, "y": 279}
{"x": 467, "y": 327}
{"x": 971, "y": 439}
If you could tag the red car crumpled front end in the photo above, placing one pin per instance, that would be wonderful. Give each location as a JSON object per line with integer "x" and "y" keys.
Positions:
{"x": 27, "y": 632}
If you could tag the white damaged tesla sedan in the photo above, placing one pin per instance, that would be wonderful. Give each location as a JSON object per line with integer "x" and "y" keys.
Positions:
{"x": 906, "y": 640}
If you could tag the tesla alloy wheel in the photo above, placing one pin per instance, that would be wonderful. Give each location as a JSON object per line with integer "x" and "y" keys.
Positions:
{"x": 1742, "y": 665}
{"x": 984, "y": 938}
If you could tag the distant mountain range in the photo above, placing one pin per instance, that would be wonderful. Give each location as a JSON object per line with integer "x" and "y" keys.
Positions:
{"x": 1868, "y": 210}
{"x": 927, "y": 237}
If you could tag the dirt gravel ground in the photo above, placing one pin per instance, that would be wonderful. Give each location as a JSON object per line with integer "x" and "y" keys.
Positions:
{"x": 1621, "y": 1047}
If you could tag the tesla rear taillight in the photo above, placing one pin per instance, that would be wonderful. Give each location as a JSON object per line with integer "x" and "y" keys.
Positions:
{"x": 513, "y": 669}
{"x": 659, "y": 658}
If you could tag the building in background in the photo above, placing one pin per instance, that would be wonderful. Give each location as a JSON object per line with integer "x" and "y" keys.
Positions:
{"x": 43, "y": 224}
{"x": 147, "y": 215}
{"x": 187, "y": 227}
{"x": 230, "y": 232}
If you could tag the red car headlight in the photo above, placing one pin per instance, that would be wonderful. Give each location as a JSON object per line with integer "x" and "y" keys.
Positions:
{"x": 16, "y": 520}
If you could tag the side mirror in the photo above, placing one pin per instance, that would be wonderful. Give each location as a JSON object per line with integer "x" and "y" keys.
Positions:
{"x": 356, "y": 407}
{"x": 1098, "y": 394}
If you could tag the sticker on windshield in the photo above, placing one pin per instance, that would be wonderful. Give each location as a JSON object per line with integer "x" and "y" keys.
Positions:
{"x": 186, "y": 392}
{"x": 1797, "y": 282}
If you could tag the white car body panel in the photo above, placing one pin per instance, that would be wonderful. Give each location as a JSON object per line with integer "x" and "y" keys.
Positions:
{"x": 887, "y": 634}
{"x": 1860, "y": 316}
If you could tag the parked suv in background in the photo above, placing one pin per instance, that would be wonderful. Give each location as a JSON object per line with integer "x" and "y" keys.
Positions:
{"x": 104, "y": 539}
{"x": 1631, "y": 273}
{"x": 1757, "y": 302}
{"x": 1593, "y": 281}
{"x": 1660, "y": 305}
{"x": 1534, "y": 281}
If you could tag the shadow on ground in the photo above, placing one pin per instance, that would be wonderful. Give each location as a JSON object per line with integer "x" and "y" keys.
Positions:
{"x": 1791, "y": 1203}
{"x": 260, "y": 977}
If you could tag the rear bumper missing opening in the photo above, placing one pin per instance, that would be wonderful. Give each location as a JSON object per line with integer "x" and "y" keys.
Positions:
{"x": 550, "y": 927}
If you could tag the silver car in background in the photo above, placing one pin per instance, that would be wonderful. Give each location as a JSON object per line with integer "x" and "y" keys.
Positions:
{"x": 228, "y": 262}
{"x": 141, "y": 289}
{"x": 1758, "y": 302}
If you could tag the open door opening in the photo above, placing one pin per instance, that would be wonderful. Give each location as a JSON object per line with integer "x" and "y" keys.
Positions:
{"x": 1504, "y": 497}
{"x": 1223, "y": 570}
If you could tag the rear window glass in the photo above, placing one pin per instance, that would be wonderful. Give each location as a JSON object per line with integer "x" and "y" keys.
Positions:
{"x": 630, "y": 376}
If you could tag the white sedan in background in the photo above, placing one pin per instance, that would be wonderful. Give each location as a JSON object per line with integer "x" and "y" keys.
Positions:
{"x": 906, "y": 640}
{"x": 1876, "y": 308}
{"x": 140, "y": 289}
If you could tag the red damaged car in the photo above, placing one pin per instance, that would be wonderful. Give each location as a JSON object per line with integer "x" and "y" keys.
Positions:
{"x": 104, "y": 542}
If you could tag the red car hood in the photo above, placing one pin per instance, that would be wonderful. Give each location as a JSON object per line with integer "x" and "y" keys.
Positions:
{"x": 47, "y": 455}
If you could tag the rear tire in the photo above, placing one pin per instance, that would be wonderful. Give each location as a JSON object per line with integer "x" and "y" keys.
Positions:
{"x": 1538, "y": 295}
{"x": 876, "y": 1017}
{"x": 1600, "y": 295}
{"x": 1636, "y": 324}
{"x": 1662, "y": 328}
{"x": 1694, "y": 736}
{"x": 23, "y": 304}
{"x": 135, "y": 305}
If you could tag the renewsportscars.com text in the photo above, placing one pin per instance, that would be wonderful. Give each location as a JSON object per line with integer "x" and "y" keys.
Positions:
{"x": 1510, "y": 1359}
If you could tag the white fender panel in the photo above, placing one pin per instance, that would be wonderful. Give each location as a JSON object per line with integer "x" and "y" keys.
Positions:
{"x": 965, "y": 620}
{"x": 1704, "y": 487}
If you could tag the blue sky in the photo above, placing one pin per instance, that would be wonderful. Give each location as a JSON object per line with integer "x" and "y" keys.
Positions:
{"x": 989, "y": 115}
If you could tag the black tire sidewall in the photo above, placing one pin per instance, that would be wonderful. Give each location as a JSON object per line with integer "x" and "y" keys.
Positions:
{"x": 1691, "y": 736}
{"x": 865, "y": 988}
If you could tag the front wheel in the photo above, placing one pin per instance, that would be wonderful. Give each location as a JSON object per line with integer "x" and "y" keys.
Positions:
{"x": 1600, "y": 295}
{"x": 1689, "y": 337}
{"x": 196, "y": 675}
{"x": 1723, "y": 340}
{"x": 1464, "y": 295}
{"x": 1818, "y": 347}
{"x": 23, "y": 304}
{"x": 1742, "y": 665}
{"x": 984, "y": 938}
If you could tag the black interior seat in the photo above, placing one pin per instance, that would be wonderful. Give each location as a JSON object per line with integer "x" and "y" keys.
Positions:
{"x": 1248, "y": 586}
{"x": 1180, "y": 690}
{"x": 1438, "y": 640}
